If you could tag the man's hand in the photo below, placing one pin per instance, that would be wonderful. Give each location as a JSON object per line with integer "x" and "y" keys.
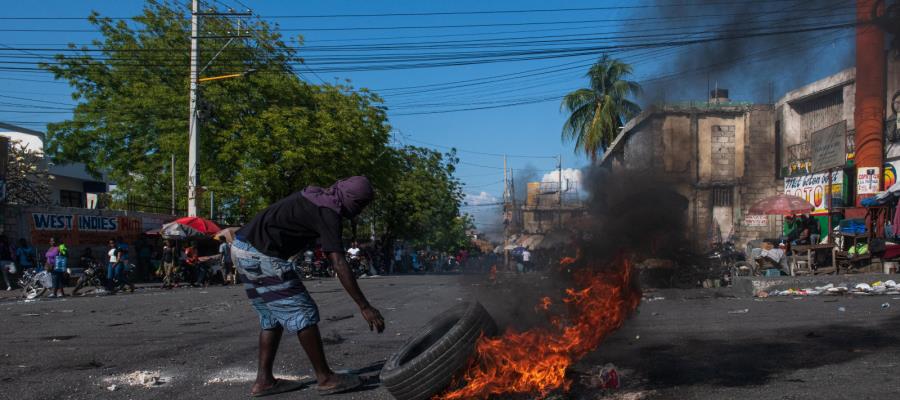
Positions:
{"x": 348, "y": 281}
{"x": 373, "y": 317}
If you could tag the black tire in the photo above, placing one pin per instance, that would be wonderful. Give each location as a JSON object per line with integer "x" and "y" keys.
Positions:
{"x": 425, "y": 365}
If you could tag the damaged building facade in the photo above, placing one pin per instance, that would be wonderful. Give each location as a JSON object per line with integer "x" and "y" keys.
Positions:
{"x": 719, "y": 155}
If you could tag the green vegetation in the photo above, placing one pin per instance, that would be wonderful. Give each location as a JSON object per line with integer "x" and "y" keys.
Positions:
{"x": 262, "y": 136}
{"x": 596, "y": 113}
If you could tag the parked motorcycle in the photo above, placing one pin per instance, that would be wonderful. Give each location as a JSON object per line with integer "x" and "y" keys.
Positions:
{"x": 34, "y": 283}
{"x": 359, "y": 266}
{"x": 92, "y": 278}
{"x": 726, "y": 261}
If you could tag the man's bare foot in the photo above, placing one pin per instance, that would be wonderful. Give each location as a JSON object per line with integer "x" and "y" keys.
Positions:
{"x": 338, "y": 383}
{"x": 261, "y": 386}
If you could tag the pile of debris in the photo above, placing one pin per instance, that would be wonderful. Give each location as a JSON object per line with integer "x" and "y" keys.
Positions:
{"x": 860, "y": 289}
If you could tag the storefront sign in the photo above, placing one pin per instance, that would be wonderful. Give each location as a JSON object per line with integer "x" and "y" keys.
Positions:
{"x": 867, "y": 180}
{"x": 890, "y": 173}
{"x": 76, "y": 229}
{"x": 828, "y": 147}
{"x": 756, "y": 220}
{"x": 813, "y": 188}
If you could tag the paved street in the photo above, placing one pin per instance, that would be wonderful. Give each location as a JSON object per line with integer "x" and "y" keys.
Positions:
{"x": 685, "y": 346}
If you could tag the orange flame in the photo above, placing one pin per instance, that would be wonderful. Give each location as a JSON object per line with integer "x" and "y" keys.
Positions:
{"x": 544, "y": 305}
{"x": 535, "y": 361}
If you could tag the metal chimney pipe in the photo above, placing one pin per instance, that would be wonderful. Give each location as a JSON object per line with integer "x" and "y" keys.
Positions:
{"x": 869, "y": 101}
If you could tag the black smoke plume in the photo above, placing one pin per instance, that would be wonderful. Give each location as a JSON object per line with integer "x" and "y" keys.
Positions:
{"x": 763, "y": 66}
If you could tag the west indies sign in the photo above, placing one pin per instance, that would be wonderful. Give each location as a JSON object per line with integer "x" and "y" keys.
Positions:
{"x": 76, "y": 229}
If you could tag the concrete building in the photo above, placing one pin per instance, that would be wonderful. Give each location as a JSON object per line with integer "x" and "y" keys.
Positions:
{"x": 72, "y": 185}
{"x": 822, "y": 109}
{"x": 546, "y": 209}
{"x": 718, "y": 154}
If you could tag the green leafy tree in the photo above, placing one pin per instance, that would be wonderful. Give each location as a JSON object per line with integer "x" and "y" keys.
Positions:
{"x": 262, "y": 135}
{"x": 597, "y": 112}
{"x": 27, "y": 176}
{"x": 422, "y": 204}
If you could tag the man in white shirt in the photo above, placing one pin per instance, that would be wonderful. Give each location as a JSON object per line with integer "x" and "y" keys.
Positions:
{"x": 353, "y": 252}
{"x": 526, "y": 260}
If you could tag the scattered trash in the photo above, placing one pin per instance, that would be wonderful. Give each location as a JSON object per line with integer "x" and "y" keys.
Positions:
{"x": 654, "y": 298}
{"x": 335, "y": 318}
{"x": 842, "y": 309}
{"x": 606, "y": 378}
{"x": 889, "y": 287}
{"x": 112, "y": 388}
{"x": 637, "y": 337}
{"x": 741, "y": 311}
{"x": 147, "y": 379}
{"x": 241, "y": 375}
{"x": 31, "y": 315}
{"x": 638, "y": 395}
{"x": 885, "y": 305}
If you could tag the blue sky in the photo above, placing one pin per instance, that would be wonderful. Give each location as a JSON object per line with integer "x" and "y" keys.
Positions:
{"x": 530, "y": 133}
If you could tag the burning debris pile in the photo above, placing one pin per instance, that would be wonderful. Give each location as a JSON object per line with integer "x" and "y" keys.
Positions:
{"x": 535, "y": 360}
{"x": 602, "y": 292}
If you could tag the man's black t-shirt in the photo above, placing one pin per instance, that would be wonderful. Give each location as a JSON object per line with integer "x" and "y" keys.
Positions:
{"x": 292, "y": 224}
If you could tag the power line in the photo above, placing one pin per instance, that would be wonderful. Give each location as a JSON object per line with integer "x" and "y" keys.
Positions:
{"x": 440, "y": 13}
{"x": 466, "y": 26}
{"x": 477, "y": 152}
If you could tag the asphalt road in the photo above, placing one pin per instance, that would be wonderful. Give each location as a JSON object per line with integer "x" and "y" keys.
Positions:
{"x": 687, "y": 345}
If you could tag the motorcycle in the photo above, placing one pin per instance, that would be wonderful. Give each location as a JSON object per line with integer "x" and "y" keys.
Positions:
{"x": 726, "y": 260}
{"x": 34, "y": 283}
{"x": 92, "y": 279}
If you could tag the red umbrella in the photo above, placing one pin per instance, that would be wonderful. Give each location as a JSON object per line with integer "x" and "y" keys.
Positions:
{"x": 782, "y": 204}
{"x": 199, "y": 224}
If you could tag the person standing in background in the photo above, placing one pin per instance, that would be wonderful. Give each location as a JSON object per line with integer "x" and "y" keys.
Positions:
{"x": 526, "y": 260}
{"x": 168, "y": 262}
{"x": 56, "y": 264}
{"x": 225, "y": 252}
{"x": 7, "y": 262}
{"x": 25, "y": 255}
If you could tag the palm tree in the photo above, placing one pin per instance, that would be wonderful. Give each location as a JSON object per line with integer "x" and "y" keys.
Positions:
{"x": 596, "y": 113}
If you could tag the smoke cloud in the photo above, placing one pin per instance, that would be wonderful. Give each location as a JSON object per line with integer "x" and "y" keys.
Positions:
{"x": 758, "y": 68}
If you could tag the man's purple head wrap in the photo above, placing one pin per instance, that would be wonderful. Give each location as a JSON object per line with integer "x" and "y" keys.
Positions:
{"x": 346, "y": 197}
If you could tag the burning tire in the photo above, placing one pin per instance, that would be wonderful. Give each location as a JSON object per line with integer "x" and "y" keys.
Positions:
{"x": 425, "y": 365}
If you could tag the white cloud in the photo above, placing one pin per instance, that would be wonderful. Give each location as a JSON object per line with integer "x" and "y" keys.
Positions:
{"x": 571, "y": 178}
{"x": 480, "y": 198}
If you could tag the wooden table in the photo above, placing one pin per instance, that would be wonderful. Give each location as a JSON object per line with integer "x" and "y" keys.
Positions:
{"x": 810, "y": 249}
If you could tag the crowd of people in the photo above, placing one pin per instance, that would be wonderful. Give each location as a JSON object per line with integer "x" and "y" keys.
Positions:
{"x": 195, "y": 263}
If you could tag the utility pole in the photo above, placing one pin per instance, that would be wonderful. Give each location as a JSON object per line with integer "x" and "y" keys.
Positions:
{"x": 194, "y": 123}
{"x": 193, "y": 178}
{"x": 559, "y": 191}
{"x": 505, "y": 209}
{"x": 512, "y": 197}
{"x": 172, "y": 170}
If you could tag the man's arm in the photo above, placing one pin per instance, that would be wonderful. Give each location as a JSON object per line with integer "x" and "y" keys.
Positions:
{"x": 348, "y": 281}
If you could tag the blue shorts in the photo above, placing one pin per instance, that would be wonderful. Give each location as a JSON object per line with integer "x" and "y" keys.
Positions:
{"x": 275, "y": 290}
